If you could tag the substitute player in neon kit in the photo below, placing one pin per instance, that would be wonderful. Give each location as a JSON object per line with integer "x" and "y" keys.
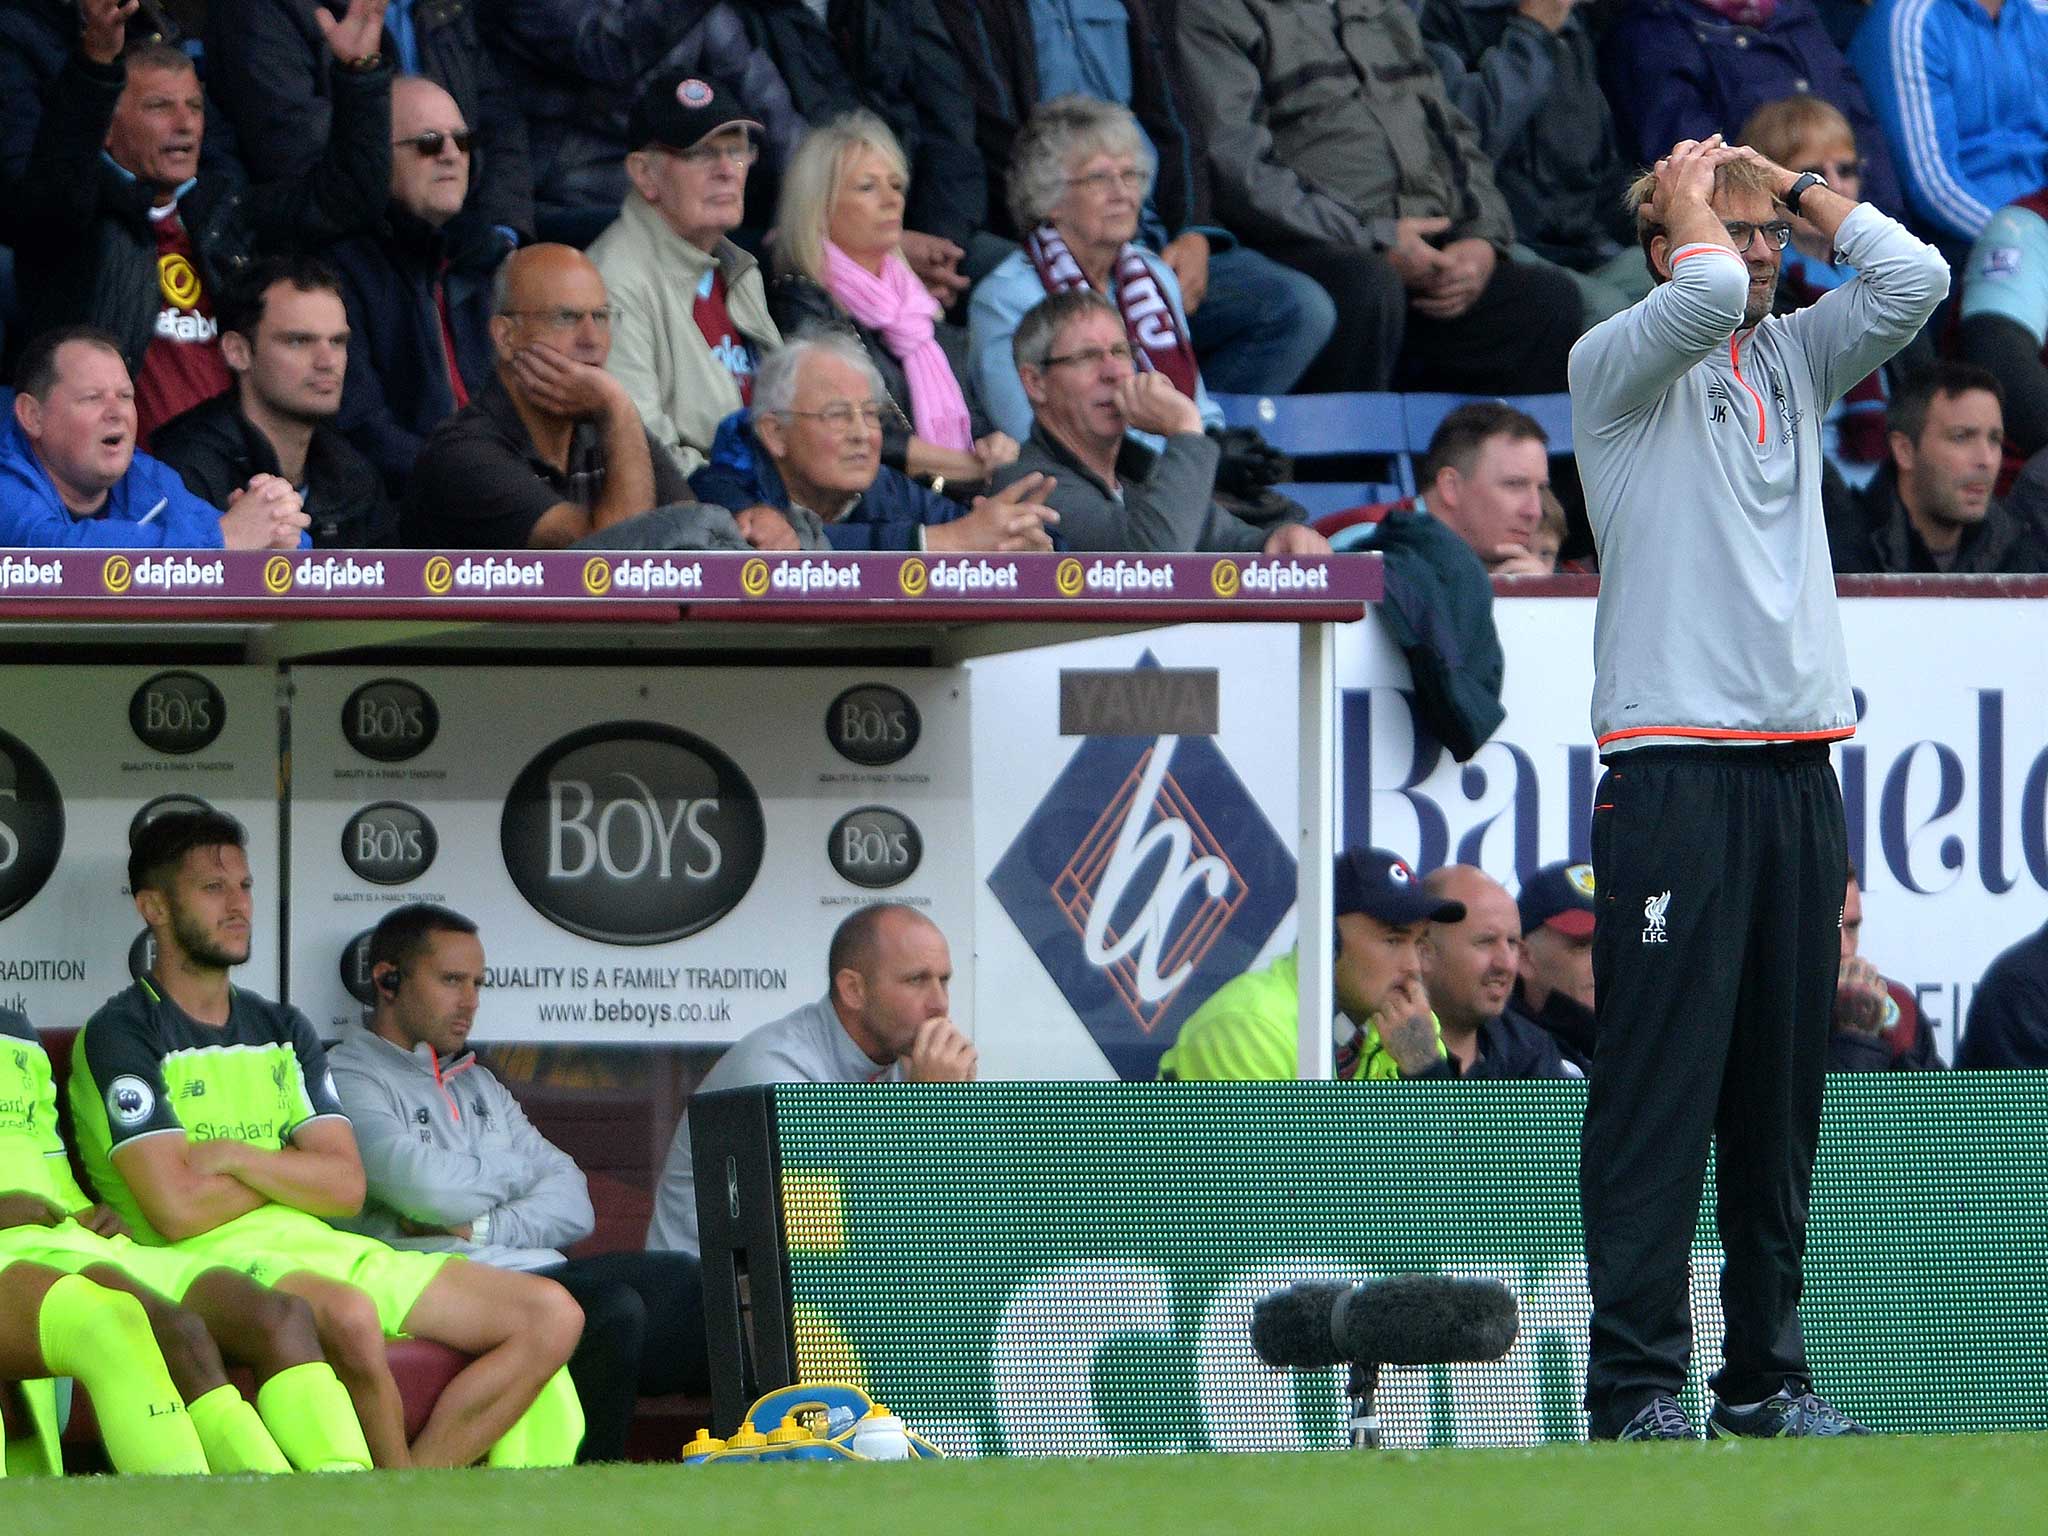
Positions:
{"x": 207, "y": 1118}
{"x": 1720, "y": 677}
{"x": 139, "y": 1325}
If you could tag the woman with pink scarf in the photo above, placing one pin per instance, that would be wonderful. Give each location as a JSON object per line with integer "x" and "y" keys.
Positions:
{"x": 839, "y": 229}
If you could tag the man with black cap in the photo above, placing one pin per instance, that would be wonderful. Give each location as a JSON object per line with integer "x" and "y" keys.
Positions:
{"x": 1247, "y": 1029}
{"x": 1554, "y": 987}
{"x": 693, "y": 314}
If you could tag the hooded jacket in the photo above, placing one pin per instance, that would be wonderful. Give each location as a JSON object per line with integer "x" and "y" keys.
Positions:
{"x": 276, "y": 78}
{"x": 397, "y": 388}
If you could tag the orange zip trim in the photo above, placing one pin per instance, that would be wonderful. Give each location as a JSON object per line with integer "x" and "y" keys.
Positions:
{"x": 1717, "y": 733}
{"x": 1735, "y": 362}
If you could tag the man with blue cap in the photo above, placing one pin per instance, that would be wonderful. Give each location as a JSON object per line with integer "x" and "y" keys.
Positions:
{"x": 1554, "y": 987}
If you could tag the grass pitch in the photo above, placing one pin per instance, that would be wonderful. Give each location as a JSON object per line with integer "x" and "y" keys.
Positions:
{"x": 1983, "y": 1485}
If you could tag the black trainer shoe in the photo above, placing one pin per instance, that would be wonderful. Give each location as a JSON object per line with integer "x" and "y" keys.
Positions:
{"x": 1783, "y": 1415}
{"x": 1659, "y": 1419}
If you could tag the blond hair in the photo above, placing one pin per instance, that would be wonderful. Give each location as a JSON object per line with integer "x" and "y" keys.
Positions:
{"x": 1730, "y": 176}
{"x": 813, "y": 181}
{"x": 1777, "y": 129}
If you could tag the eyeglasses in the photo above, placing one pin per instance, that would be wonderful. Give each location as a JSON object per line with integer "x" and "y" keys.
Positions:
{"x": 1091, "y": 357}
{"x": 840, "y": 415}
{"x": 1741, "y": 233}
{"x": 567, "y": 319}
{"x": 1837, "y": 170}
{"x": 429, "y": 143}
{"x": 1131, "y": 180}
{"x": 712, "y": 154}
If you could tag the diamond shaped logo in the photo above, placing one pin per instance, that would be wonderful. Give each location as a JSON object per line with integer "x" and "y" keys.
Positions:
{"x": 1145, "y": 879}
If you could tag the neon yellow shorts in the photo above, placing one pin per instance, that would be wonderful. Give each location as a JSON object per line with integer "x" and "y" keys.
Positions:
{"x": 71, "y": 1248}
{"x": 276, "y": 1241}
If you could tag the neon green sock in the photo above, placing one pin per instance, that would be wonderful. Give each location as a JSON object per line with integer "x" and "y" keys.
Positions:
{"x": 509, "y": 1450}
{"x": 35, "y": 1453}
{"x": 548, "y": 1433}
{"x": 102, "y": 1337}
{"x": 234, "y": 1437}
{"x": 310, "y": 1416}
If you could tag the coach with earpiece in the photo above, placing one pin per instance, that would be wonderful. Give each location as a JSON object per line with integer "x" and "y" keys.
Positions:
{"x": 452, "y": 1163}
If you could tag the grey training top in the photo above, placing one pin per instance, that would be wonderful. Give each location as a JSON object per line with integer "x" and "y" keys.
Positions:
{"x": 1699, "y": 447}
{"x": 445, "y": 1144}
{"x": 808, "y": 1046}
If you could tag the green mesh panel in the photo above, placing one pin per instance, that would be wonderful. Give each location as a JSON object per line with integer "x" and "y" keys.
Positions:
{"x": 1069, "y": 1268}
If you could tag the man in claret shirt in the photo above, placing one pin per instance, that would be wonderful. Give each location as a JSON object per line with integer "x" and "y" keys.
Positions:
{"x": 134, "y": 234}
{"x": 693, "y": 316}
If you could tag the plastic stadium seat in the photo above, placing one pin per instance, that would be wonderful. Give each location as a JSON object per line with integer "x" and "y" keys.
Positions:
{"x": 1323, "y": 497}
{"x": 1425, "y": 413}
{"x": 1312, "y": 427}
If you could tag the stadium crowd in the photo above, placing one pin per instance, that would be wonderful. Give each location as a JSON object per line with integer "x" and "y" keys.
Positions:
{"x": 277, "y": 274}
{"x": 841, "y": 275}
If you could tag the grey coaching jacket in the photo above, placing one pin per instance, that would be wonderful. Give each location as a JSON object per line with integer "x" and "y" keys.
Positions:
{"x": 1699, "y": 446}
{"x": 444, "y": 1144}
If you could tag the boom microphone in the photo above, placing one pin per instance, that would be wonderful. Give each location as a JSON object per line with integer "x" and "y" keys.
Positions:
{"x": 1401, "y": 1320}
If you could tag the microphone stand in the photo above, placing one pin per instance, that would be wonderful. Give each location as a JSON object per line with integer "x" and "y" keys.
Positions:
{"x": 1365, "y": 1419}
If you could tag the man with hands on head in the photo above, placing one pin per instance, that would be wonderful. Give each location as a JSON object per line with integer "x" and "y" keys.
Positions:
{"x": 1112, "y": 492}
{"x": 70, "y": 476}
{"x": 1718, "y": 834}
{"x": 885, "y": 1018}
{"x": 552, "y": 453}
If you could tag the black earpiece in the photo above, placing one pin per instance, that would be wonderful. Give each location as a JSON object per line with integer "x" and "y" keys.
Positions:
{"x": 387, "y": 982}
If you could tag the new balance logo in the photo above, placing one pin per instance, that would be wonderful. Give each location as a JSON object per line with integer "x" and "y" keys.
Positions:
{"x": 1653, "y": 918}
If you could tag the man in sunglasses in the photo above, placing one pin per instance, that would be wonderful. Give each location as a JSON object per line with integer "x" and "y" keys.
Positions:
{"x": 418, "y": 289}
{"x": 1073, "y": 357}
{"x": 1720, "y": 678}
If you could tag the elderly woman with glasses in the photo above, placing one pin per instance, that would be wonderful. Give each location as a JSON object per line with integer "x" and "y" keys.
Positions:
{"x": 1079, "y": 172}
{"x": 692, "y": 312}
{"x": 839, "y": 262}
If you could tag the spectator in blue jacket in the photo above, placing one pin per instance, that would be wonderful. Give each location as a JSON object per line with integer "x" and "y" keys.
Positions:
{"x": 1684, "y": 69}
{"x": 812, "y": 443}
{"x": 70, "y": 476}
{"x": 1961, "y": 87}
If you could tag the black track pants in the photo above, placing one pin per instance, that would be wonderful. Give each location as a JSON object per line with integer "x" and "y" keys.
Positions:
{"x": 1720, "y": 875}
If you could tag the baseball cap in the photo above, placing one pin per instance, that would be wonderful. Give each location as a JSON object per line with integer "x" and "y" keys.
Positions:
{"x": 682, "y": 109}
{"x": 1380, "y": 884}
{"x": 1560, "y": 895}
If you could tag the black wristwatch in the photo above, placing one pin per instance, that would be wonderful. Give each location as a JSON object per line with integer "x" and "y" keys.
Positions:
{"x": 1800, "y": 188}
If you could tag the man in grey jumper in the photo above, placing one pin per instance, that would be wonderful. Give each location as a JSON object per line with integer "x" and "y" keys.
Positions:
{"x": 1720, "y": 677}
{"x": 1112, "y": 490}
{"x": 885, "y": 1018}
{"x": 452, "y": 1163}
